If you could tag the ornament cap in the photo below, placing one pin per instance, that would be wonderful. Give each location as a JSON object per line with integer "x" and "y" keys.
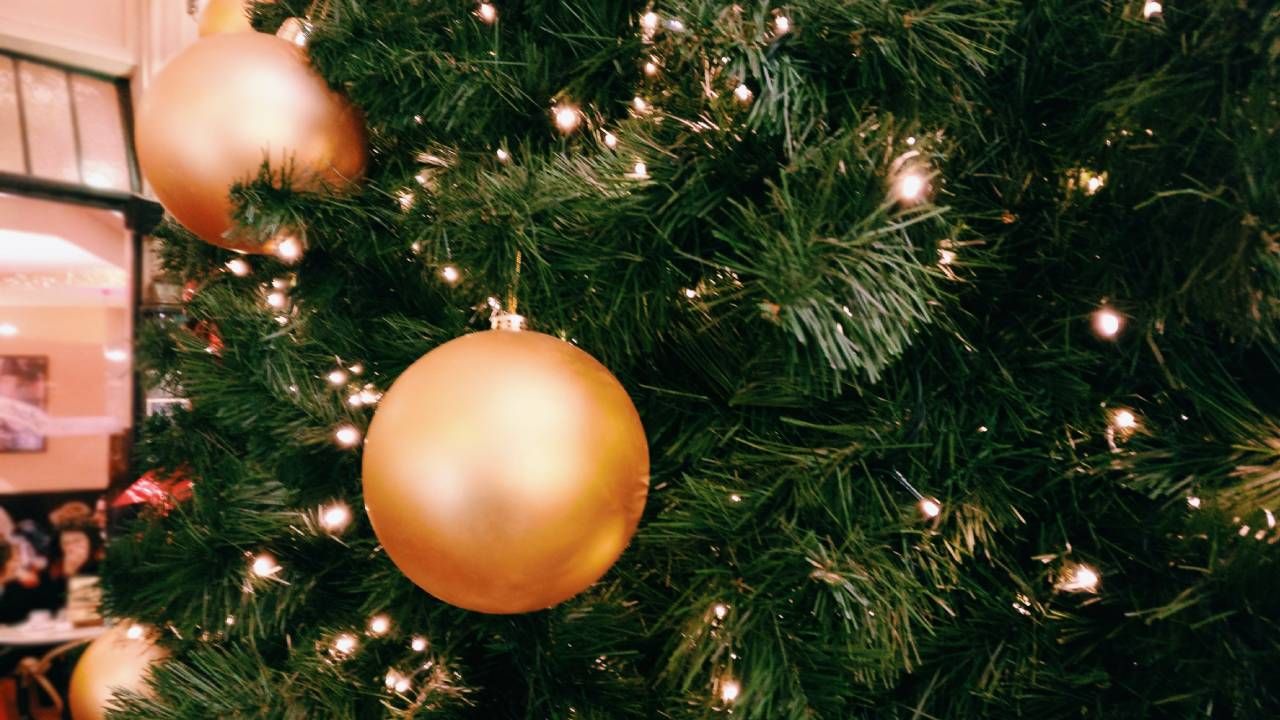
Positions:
{"x": 507, "y": 321}
{"x": 295, "y": 30}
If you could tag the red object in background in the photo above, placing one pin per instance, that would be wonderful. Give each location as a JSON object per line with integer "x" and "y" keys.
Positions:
{"x": 189, "y": 290}
{"x": 160, "y": 491}
{"x": 208, "y": 332}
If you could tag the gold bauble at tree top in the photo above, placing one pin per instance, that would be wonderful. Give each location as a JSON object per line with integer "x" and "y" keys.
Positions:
{"x": 118, "y": 660}
{"x": 226, "y": 16}
{"x": 226, "y": 104}
{"x": 505, "y": 471}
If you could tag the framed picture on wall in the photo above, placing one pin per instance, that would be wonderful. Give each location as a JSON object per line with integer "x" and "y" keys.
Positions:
{"x": 23, "y": 393}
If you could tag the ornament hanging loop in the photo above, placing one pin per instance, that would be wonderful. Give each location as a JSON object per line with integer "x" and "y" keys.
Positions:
{"x": 508, "y": 319}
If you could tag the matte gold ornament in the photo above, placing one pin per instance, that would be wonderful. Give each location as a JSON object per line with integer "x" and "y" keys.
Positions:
{"x": 225, "y": 16}
{"x": 120, "y": 659}
{"x": 505, "y": 471}
{"x": 223, "y": 106}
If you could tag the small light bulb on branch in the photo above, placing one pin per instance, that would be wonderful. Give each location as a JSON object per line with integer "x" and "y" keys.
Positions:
{"x": 504, "y": 157}
{"x": 639, "y": 171}
{"x": 1124, "y": 420}
{"x": 649, "y": 21}
{"x": 289, "y": 248}
{"x": 239, "y": 267}
{"x": 743, "y": 94}
{"x": 277, "y": 299}
{"x": 450, "y": 274}
{"x": 335, "y": 517}
{"x": 347, "y": 436}
{"x": 640, "y": 104}
{"x": 651, "y": 68}
{"x": 1151, "y": 8}
{"x": 487, "y": 12}
{"x": 720, "y": 610}
{"x": 264, "y": 565}
{"x": 782, "y": 24}
{"x": 1193, "y": 502}
{"x": 405, "y": 198}
{"x": 610, "y": 140}
{"x": 379, "y": 625}
{"x": 418, "y": 643}
{"x": 930, "y": 508}
{"x": 910, "y": 187}
{"x": 345, "y": 644}
{"x": 337, "y": 378}
{"x": 1080, "y": 578}
{"x": 1107, "y": 323}
{"x": 567, "y": 117}
{"x": 730, "y": 689}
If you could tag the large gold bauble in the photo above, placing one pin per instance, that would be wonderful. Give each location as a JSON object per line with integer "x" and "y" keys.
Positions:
{"x": 120, "y": 659}
{"x": 505, "y": 471}
{"x": 225, "y": 16}
{"x": 223, "y": 106}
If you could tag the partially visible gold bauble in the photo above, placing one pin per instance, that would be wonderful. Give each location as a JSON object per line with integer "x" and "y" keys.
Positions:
{"x": 223, "y": 106}
{"x": 120, "y": 659}
{"x": 505, "y": 471}
{"x": 225, "y": 16}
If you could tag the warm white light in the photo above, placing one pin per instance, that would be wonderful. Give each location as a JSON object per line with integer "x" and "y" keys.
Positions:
{"x": 1150, "y": 8}
{"x": 356, "y": 368}
{"x": 649, "y": 21}
{"x": 231, "y": 620}
{"x": 487, "y": 12}
{"x": 403, "y": 685}
{"x": 418, "y": 643}
{"x": 115, "y": 355}
{"x": 337, "y": 377}
{"x": 911, "y": 141}
{"x": 930, "y": 508}
{"x": 1093, "y": 185}
{"x": 1081, "y": 578}
{"x": 743, "y": 93}
{"x": 379, "y": 625}
{"x": 347, "y": 436}
{"x": 450, "y": 274}
{"x": 239, "y": 267}
{"x": 345, "y": 644}
{"x": 640, "y": 171}
{"x": 1107, "y": 323}
{"x": 503, "y": 156}
{"x": 336, "y": 517}
{"x": 135, "y": 632}
{"x": 8, "y": 329}
{"x": 264, "y": 565}
{"x": 1271, "y": 518}
{"x": 289, "y": 249}
{"x": 910, "y": 186}
{"x": 639, "y": 104}
{"x": 735, "y": 497}
{"x": 567, "y": 117}
{"x": 369, "y": 395}
{"x": 392, "y": 678}
{"x": 1193, "y": 501}
{"x": 730, "y": 690}
{"x": 945, "y": 256}
{"x": 405, "y": 197}
{"x": 651, "y": 68}
{"x": 277, "y": 299}
{"x": 610, "y": 140}
{"x": 690, "y": 293}
{"x": 782, "y": 24}
{"x": 1124, "y": 419}
{"x": 721, "y": 610}
{"x": 676, "y": 26}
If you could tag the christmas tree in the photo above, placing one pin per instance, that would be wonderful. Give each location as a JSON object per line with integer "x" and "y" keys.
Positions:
{"x": 952, "y": 326}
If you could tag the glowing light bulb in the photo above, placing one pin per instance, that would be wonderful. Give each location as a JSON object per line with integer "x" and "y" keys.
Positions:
{"x": 418, "y": 643}
{"x": 1271, "y": 518}
{"x": 911, "y": 141}
{"x": 1193, "y": 501}
{"x": 264, "y": 565}
{"x": 946, "y": 257}
{"x": 335, "y": 517}
{"x": 403, "y": 685}
{"x": 503, "y": 156}
{"x": 1124, "y": 419}
{"x": 930, "y": 508}
{"x": 345, "y": 644}
{"x": 135, "y": 632}
{"x": 347, "y": 436}
{"x": 690, "y": 293}
{"x": 675, "y": 25}
{"x": 782, "y": 24}
{"x": 277, "y": 299}
{"x": 289, "y": 248}
{"x": 910, "y": 186}
{"x": 743, "y": 93}
{"x": 231, "y": 620}
{"x": 649, "y": 21}
{"x": 356, "y": 368}
{"x": 487, "y": 12}
{"x": 392, "y": 678}
{"x": 238, "y": 267}
{"x": 639, "y": 104}
{"x": 651, "y": 68}
{"x": 720, "y": 610}
{"x": 610, "y": 140}
{"x": 405, "y": 198}
{"x": 735, "y": 498}
{"x": 1107, "y": 323}
{"x": 337, "y": 377}
{"x": 567, "y": 117}
{"x": 379, "y": 625}
{"x": 8, "y": 329}
{"x": 1151, "y": 8}
{"x": 1081, "y": 578}
{"x": 639, "y": 171}
{"x": 450, "y": 274}
{"x": 730, "y": 690}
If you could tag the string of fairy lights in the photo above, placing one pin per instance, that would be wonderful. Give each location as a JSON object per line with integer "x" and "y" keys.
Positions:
{"x": 910, "y": 181}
